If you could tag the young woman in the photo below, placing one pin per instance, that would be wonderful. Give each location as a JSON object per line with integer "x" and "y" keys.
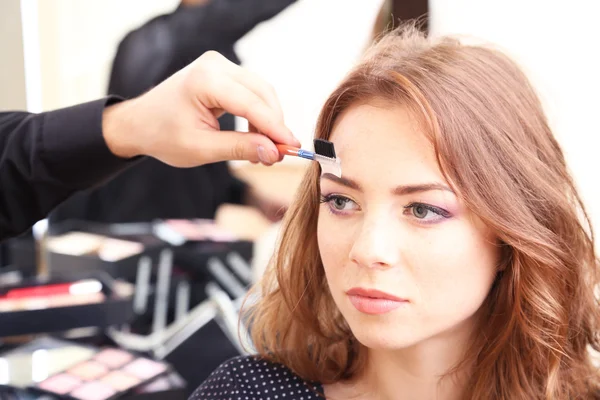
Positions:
{"x": 453, "y": 259}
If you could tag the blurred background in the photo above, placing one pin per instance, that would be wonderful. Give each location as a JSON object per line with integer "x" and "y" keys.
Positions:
{"x": 59, "y": 52}
{"x": 198, "y": 238}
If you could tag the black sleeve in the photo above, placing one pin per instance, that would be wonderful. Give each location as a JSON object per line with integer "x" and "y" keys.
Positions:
{"x": 235, "y": 18}
{"x": 142, "y": 59}
{"x": 238, "y": 191}
{"x": 44, "y": 158}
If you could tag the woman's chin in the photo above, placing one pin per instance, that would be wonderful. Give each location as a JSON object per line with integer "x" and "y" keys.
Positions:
{"x": 377, "y": 338}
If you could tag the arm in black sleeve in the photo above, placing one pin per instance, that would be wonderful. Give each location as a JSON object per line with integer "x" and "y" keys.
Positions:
{"x": 238, "y": 191}
{"x": 44, "y": 158}
{"x": 250, "y": 13}
{"x": 142, "y": 59}
{"x": 232, "y": 19}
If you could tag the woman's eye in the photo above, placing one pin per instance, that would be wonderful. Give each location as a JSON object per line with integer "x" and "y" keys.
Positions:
{"x": 420, "y": 211}
{"x": 339, "y": 203}
{"x": 426, "y": 212}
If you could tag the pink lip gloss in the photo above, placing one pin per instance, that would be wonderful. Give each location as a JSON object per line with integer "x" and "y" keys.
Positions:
{"x": 373, "y": 301}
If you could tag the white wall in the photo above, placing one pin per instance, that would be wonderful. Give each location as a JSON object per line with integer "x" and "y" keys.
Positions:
{"x": 308, "y": 48}
{"x": 78, "y": 40}
{"x": 12, "y": 75}
{"x": 305, "y": 51}
{"x": 558, "y": 46}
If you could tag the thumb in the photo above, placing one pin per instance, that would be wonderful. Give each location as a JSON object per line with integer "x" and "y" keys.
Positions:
{"x": 231, "y": 145}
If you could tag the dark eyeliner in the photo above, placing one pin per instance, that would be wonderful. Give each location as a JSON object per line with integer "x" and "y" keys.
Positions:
{"x": 436, "y": 210}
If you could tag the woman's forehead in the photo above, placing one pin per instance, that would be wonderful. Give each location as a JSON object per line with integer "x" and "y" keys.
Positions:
{"x": 378, "y": 139}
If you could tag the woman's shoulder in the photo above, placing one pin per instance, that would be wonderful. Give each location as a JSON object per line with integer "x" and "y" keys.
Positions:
{"x": 254, "y": 377}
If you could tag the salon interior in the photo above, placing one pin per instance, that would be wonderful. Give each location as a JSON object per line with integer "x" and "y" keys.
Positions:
{"x": 134, "y": 291}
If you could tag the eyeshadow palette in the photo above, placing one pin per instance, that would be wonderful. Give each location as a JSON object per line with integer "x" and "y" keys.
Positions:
{"x": 112, "y": 248}
{"x": 179, "y": 231}
{"x": 83, "y": 243}
{"x": 171, "y": 387}
{"x": 58, "y": 304}
{"x": 27, "y": 364}
{"x": 107, "y": 375}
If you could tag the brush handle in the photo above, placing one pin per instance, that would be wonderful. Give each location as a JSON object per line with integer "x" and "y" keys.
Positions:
{"x": 294, "y": 151}
{"x": 287, "y": 150}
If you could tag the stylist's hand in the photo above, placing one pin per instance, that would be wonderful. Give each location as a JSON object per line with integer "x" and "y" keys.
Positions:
{"x": 176, "y": 122}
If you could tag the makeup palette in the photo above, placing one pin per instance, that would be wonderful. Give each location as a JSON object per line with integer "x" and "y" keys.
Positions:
{"x": 83, "y": 243}
{"x": 111, "y": 248}
{"x": 59, "y": 304}
{"x": 179, "y": 231}
{"x": 107, "y": 375}
{"x": 171, "y": 386}
{"x": 44, "y": 296}
{"x": 35, "y": 361}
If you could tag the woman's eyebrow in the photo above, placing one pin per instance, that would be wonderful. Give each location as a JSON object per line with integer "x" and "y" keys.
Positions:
{"x": 422, "y": 187}
{"x": 398, "y": 191}
{"x": 352, "y": 184}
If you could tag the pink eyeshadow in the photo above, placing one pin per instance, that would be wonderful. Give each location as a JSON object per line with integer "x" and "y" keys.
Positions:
{"x": 156, "y": 385}
{"x": 113, "y": 358}
{"x": 89, "y": 370}
{"x": 144, "y": 368}
{"x": 60, "y": 384}
{"x": 120, "y": 381}
{"x": 93, "y": 391}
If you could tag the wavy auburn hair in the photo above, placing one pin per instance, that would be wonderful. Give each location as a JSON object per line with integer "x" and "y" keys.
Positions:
{"x": 495, "y": 148}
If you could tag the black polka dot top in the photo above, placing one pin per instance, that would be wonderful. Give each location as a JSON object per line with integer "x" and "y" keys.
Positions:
{"x": 252, "y": 378}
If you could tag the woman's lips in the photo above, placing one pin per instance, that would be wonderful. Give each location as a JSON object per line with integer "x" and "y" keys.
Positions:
{"x": 371, "y": 301}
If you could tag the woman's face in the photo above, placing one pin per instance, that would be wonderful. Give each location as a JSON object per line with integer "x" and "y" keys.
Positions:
{"x": 405, "y": 261}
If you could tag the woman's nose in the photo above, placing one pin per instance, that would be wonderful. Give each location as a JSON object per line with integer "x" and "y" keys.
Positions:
{"x": 377, "y": 243}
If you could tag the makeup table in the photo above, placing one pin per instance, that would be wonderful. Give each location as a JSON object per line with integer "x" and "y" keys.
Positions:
{"x": 50, "y": 368}
{"x": 103, "y": 373}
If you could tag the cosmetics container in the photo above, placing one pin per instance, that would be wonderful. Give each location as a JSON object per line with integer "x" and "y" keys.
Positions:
{"x": 109, "y": 374}
{"x": 59, "y": 304}
{"x": 113, "y": 248}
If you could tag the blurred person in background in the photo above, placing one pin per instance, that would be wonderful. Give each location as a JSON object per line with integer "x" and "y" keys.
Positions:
{"x": 146, "y": 57}
{"x": 47, "y": 157}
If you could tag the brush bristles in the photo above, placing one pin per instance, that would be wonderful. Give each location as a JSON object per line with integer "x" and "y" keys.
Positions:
{"x": 324, "y": 148}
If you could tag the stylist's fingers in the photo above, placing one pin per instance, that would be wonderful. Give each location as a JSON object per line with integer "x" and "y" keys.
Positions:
{"x": 256, "y": 84}
{"x": 252, "y": 128}
{"x": 232, "y": 145}
{"x": 259, "y": 87}
{"x": 215, "y": 85}
{"x": 239, "y": 100}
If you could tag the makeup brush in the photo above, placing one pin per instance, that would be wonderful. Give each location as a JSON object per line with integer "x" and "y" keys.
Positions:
{"x": 324, "y": 154}
{"x": 324, "y": 148}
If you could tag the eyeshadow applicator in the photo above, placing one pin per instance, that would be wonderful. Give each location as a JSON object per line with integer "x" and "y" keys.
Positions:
{"x": 324, "y": 154}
